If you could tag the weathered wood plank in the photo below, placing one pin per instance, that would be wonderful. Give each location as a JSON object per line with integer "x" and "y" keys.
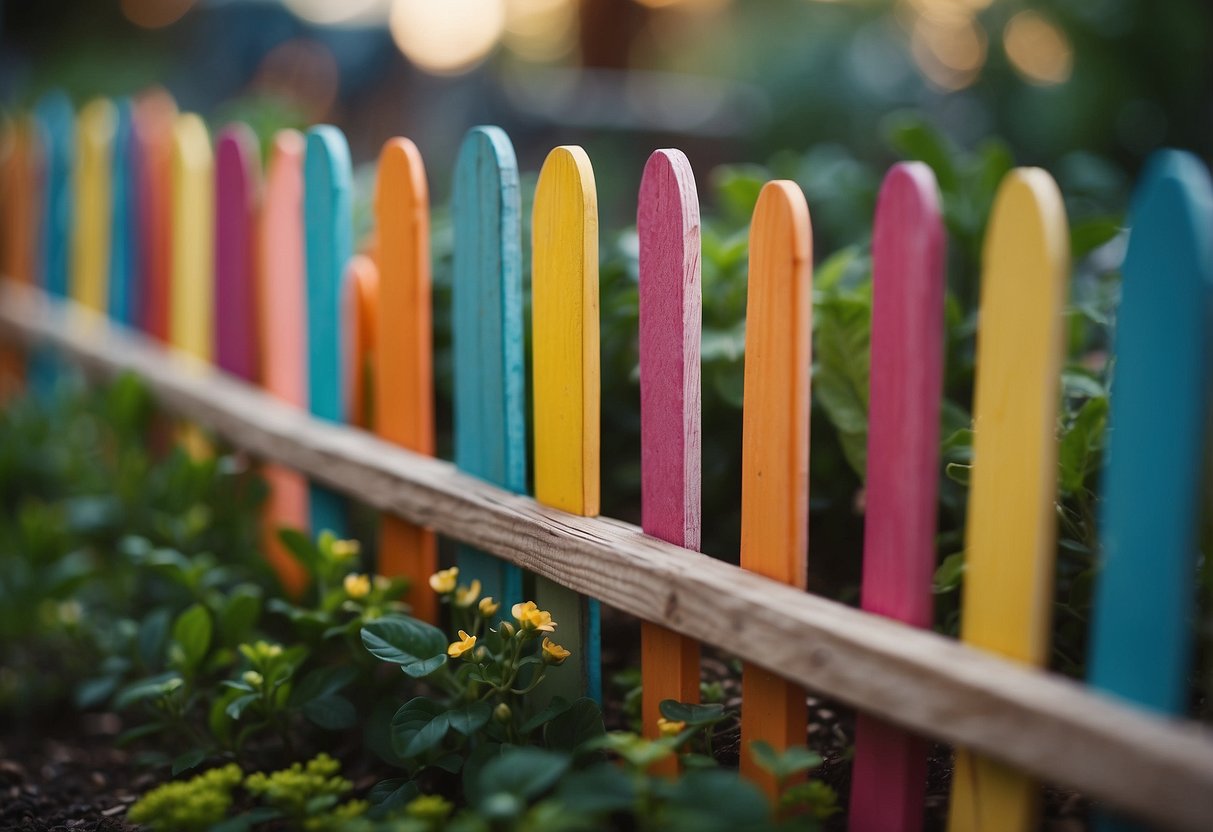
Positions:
{"x": 237, "y": 186}
{"x": 888, "y": 777}
{"x": 1141, "y": 628}
{"x": 667, "y": 222}
{"x": 487, "y": 337}
{"x": 565, "y": 381}
{"x": 775, "y": 447}
{"x": 404, "y": 381}
{"x": 328, "y": 244}
{"x": 1010, "y": 535}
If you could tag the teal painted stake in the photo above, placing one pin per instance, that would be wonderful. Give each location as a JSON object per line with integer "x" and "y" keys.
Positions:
{"x": 123, "y": 226}
{"x": 328, "y": 223}
{"x": 1141, "y": 636}
{"x": 490, "y": 385}
{"x": 56, "y": 122}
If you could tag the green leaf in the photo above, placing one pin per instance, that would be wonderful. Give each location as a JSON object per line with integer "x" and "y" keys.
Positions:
{"x": 842, "y": 336}
{"x": 715, "y": 801}
{"x": 600, "y": 789}
{"x": 411, "y": 717}
{"x": 192, "y": 632}
{"x": 247, "y": 820}
{"x": 333, "y": 713}
{"x": 95, "y": 691}
{"x": 784, "y": 764}
{"x": 581, "y": 723}
{"x": 240, "y": 614}
{"x": 428, "y": 736}
{"x": 958, "y": 473}
{"x": 417, "y": 647}
{"x": 523, "y": 773}
{"x": 239, "y": 705}
{"x": 323, "y": 681}
{"x": 909, "y": 134}
{"x": 1081, "y": 444}
{"x": 1088, "y": 235}
{"x": 691, "y": 714}
{"x": 470, "y": 718}
{"x": 149, "y": 688}
{"x": 387, "y": 796}
{"x": 949, "y": 573}
{"x": 301, "y": 547}
{"x": 153, "y": 633}
{"x": 188, "y": 760}
{"x": 555, "y": 708}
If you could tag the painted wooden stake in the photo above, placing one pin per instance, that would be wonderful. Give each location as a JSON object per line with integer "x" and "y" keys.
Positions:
{"x": 192, "y": 296}
{"x": 404, "y": 382}
{"x": 328, "y": 244}
{"x": 1141, "y": 634}
{"x": 22, "y": 213}
{"x": 1011, "y": 529}
{"x": 565, "y": 367}
{"x": 154, "y": 117}
{"x": 359, "y": 302}
{"x": 94, "y": 208}
{"x": 486, "y": 330}
{"x": 237, "y": 185}
{"x": 667, "y": 220}
{"x": 56, "y": 119}
{"x": 775, "y": 445}
{"x": 121, "y": 290}
{"x": 283, "y": 337}
{"x": 888, "y": 779}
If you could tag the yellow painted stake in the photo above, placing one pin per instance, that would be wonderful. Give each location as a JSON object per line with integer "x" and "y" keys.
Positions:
{"x": 95, "y": 128}
{"x": 566, "y": 388}
{"x": 1010, "y": 537}
{"x": 191, "y": 294}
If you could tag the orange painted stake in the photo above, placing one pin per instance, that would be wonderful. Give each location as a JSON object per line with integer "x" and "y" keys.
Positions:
{"x": 404, "y": 383}
{"x": 775, "y": 446}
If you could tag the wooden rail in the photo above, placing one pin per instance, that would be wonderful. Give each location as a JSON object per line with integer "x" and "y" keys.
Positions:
{"x": 1158, "y": 769}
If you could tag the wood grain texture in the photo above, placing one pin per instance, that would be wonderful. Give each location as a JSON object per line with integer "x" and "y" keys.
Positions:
{"x": 888, "y": 776}
{"x": 667, "y": 223}
{"x": 155, "y": 114}
{"x": 1141, "y": 629}
{"x": 775, "y": 445}
{"x": 56, "y": 120}
{"x": 1162, "y": 769}
{"x": 359, "y": 305}
{"x": 565, "y": 380}
{"x": 122, "y": 289}
{"x": 192, "y": 287}
{"x": 404, "y": 381}
{"x": 328, "y": 245}
{"x": 1011, "y": 528}
{"x": 487, "y": 337}
{"x": 283, "y": 333}
{"x": 93, "y": 214}
{"x": 237, "y": 191}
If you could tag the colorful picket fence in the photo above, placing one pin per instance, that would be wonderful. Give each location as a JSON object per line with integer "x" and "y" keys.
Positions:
{"x": 131, "y": 211}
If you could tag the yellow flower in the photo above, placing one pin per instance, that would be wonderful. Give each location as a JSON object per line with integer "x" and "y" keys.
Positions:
{"x": 465, "y": 596}
{"x": 252, "y": 678}
{"x": 532, "y": 618}
{"x": 487, "y": 608}
{"x": 357, "y": 586}
{"x": 458, "y": 648}
{"x": 443, "y": 581}
{"x": 343, "y": 549}
{"x": 553, "y": 653}
{"x": 670, "y": 727}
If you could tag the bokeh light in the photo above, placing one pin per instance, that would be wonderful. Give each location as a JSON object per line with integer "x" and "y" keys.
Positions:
{"x": 340, "y": 12}
{"x": 447, "y": 37}
{"x": 541, "y": 30}
{"x": 1039, "y": 51}
{"x": 155, "y": 14}
{"x": 949, "y": 51}
{"x": 303, "y": 72}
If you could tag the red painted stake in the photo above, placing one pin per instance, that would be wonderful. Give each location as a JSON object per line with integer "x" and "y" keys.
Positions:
{"x": 889, "y": 775}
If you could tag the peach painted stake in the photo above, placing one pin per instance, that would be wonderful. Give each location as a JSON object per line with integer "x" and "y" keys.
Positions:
{"x": 667, "y": 221}
{"x": 888, "y": 779}
{"x": 775, "y": 445}
{"x": 152, "y": 127}
{"x": 283, "y": 337}
{"x": 360, "y": 300}
{"x": 404, "y": 382}
{"x": 1010, "y": 537}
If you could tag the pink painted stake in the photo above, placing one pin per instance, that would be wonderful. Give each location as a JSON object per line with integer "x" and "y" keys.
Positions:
{"x": 670, "y": 311}
{"x": 237, "y": 171}
{"x": 889, "y": 776}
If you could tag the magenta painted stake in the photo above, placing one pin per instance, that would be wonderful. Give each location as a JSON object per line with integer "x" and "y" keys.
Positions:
{"x": 889, "y": 776}
{"x": 237, "y": 175}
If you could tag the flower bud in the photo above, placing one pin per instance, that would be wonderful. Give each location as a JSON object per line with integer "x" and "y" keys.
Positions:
{"x": 502, "y": 713}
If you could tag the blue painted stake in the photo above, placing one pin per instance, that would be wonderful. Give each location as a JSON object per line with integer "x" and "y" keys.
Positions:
{"x": 124, "y": 223}
{"x": 490, "y": 378}
{"x": 56, "y": 122}
{"x": 1141, "y": 636}
{"x": 328, "y": 221}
